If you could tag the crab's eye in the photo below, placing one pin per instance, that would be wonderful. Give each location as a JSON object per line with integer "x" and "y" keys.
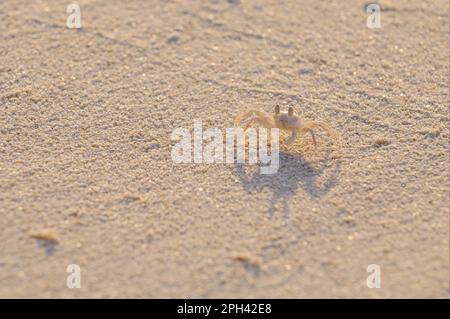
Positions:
{"x": 290, "y": 111}
{"x": 277, "y": 109}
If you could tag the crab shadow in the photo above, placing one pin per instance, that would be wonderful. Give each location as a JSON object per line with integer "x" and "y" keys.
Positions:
{"x": 49, "y": 246}
{"x": 294, "y": 172}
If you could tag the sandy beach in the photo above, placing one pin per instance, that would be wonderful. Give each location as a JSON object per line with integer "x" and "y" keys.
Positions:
{"x": 87, "y": 178}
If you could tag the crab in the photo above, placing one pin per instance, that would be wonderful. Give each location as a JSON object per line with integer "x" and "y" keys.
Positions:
{"x": 288, "y": 122}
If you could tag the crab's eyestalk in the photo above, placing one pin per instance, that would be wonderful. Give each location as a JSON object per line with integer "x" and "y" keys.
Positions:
{"x": 277, "y": 109}
{"x": 291, "y": 111}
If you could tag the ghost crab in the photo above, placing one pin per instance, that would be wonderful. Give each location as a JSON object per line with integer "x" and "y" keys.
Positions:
{"x": 284, "y": 121}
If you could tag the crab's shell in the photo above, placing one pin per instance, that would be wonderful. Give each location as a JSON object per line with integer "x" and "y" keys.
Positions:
{"x": 285, "y": 121}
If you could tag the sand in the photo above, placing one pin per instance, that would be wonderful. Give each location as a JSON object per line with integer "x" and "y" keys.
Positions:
{"x": 86, "y": 175}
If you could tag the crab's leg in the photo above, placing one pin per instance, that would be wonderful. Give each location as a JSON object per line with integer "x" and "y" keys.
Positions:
{"x": 253, "y": 115}
{"x": 240, "y": 117}
{"x": 260, "y": 119}
{"x": 313, "y": 137}
{"x": 266, "y": 121}
{"x": 249, "y": 123}
{"x": 243, "y": 116}
{"x": 317, "y": 124}
{"x": 292, "y": 138}
{"x": 304, "y": 130}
